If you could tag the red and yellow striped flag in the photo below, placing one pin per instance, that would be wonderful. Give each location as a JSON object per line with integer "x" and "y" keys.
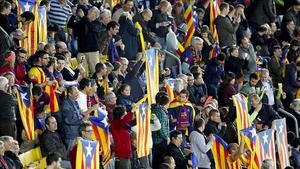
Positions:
{"x": 143, "y": 132}
{"x": 54, "y": 107}
{"x": 101, "y": 134}
{"x": 189, "y": 20}
{"x": 279, "y": 126}
{"x": 242, "y": 116}
{"x": 26, "y": 111}
{"x": 30, "y": 30}
{"x": 152, "y": 74}
{"x": 220, "y": 153}
{"x": 214, "y": 12}
{"x": 87, "y": 155}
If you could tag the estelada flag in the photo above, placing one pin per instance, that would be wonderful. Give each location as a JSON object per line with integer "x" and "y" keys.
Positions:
{"x": 143, "y": 129}
{"x": 25, "y": 104}
{"x": 101, "y": 133}
{"x": 220, "y": 152}
{"x": 279, "y": 126}
{"x": 267, "y": 146}
{"x": 42, "y": 24}
{"x": 30, "y": 30}
{"x": 152, "y": 74}
{"x": 87, "y": 155}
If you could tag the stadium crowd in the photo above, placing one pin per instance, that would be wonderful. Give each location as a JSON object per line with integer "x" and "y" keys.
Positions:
{"x": 94, "y": 59}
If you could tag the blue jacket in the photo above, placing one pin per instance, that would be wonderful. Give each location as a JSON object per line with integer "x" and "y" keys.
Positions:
{"x": 71, "y": 119}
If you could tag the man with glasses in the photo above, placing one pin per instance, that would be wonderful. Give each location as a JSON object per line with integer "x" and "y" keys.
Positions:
{"x": 173, "y": 149}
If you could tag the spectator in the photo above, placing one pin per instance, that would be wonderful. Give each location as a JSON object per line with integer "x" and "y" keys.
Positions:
{"x": 143, "y": 18}
{"x": 21, "y": 67}
{"x": 208, "y": 44}
{"x": 161, "y": 137}
{"x": 159, "y": 23}
{"x": 71, "y": 116}
{"x": 169, "y": 163}
{"x": 246, "y": 50}
{"x": 8, "y": 105}
{"x": 121, "y": 136}
{"x": 53, "y": 161}
{"x": 174, "y": 151}
{"x": 59, "y": 13}
{"x": 264, "y": 112}
{"x": 292, "y": 14}
{"x": 201, "y": 145}
{"x": 215, "y": 125}
{"x": 258, "y": 41}
{"x": 5, "y": 10}
{"x": 225, "y": 28}
{"x": 261, "y": 12}
{"x": 110, "y": 102}
{"x": 276, "y": 66}
{"x": 112, "y": 28}
{"x": 213, "y": 74}
{"x": 4, "y": 163}
{"x": 192, "y": 55}
{"x": 50, "y": 140}
{"x": 235, "y": 64}
{"x": 129, "y": 35}
{"x": 288, "y": 32}
{"x": 84, "y": 88}
{"x": 104, "y": 18}
{"x": 266, "y": 87}
{"x": 249, "y": 87}
{"x": 124, "y": 98}
{"x": 87, "y": 29}
{"x": 290, "y": 82}
{"x": 267, "y": 164}
{"x": 100, "y": 76}
{"x": 133, "y": 78}
{"x": 126, "y": 7}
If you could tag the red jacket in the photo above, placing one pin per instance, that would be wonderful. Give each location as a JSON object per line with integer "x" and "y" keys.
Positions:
{"x": 121, "y": 136}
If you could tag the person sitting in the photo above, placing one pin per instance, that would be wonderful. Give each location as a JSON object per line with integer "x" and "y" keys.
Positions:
{"x": 53, "y": 161}
{"x": 173, "y": 149}
{"x": 51, "y": 141}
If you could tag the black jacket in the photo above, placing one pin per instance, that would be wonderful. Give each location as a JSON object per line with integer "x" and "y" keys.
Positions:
{"x": 212, "y": 128}
{"x": 290, "y": 83}
{"x": 180, "y": 160}
{"x": 262, "y": 12}
{"x": 52, "y": 142}
{"x": 159, "y": 17}
{"x": 87, "y": 33}
{"x": 266, "y": 114}
{"x": 146, "y": 32}
{"x": 8, "y": 107}
{"x": 13, "y": 160}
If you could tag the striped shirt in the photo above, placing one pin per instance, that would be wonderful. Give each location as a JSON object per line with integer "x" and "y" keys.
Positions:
{"x": 59, "y": 14}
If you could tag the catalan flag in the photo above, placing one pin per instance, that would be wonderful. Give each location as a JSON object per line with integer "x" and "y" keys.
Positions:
{"x": 189, "y": 20}
{"x": 215, "y": 51}
{"x": 169, "y": 86}
{"x": 152, "y": 75}
{"x": 53, "y": 108}
{"x": 267, "y": 145}
{"x": 279, "y": 126}
{"x": 30, "y": 30}
{"x": 143, "y": 132}
{"x": 252, "y": 143}
{"x": 220, "y": 153}
{"x": 101, "y": 133}
{"x": 26, "y": 111}
{"x": 42, "y": 24}
{"x": 214, "y": 12}
{"x": 87, "y": 156}
{"x": 242, "y": 117}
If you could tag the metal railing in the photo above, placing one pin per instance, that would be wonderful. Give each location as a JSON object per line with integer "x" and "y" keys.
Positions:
{"x": 175, "y": 57}
{"x": 293, "y": 117}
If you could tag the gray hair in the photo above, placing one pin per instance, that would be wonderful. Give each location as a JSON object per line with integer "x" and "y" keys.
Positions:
{"x": 267, "y": 164}
{"x": 264, "y": 71}
{"x": 3, "y": 82}
{"x": 294, "y": 104}
{"x": 108, "y": 96}
{"x": 126, "y": 14}
{"x": 195, "y": 40}
{"x": 105, "y": 13}
{"x": 147, "y": 11}
{"x": 96, "y": 10}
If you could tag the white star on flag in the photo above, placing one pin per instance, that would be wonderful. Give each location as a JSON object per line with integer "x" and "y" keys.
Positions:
{"x": 280, "y": 128}
{"x": 27, "y": 7}
{"x": 143, "y": 109}
{"x": 265, "y": 138}
{"x": 89, "y": 149}
{"x": 104, "y": 121}
{"x": 253, "y": 132}
{"x": 23, "y": 96}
